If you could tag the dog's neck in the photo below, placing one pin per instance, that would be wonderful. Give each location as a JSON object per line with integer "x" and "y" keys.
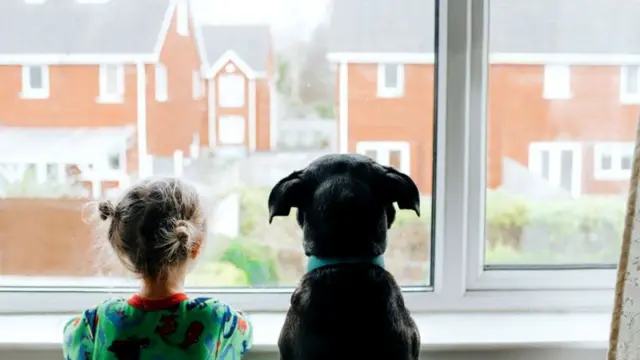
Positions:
{"x": 316, "y": 262}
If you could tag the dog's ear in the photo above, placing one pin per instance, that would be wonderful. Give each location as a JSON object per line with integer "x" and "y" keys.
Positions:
{"x": 402, "y": 190}
{"x": 285, "y": 195}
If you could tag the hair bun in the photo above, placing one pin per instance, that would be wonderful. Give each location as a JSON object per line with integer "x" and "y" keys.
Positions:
{"x": 107, "y": 209}
{"x": 183, "y": 231}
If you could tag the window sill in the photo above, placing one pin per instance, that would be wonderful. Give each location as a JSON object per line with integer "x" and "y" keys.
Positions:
{"x": 557, "y": 97}
{"x": 389, "y": 94}
{"x": 109, "y": 100}
{"x": 439, "y": 332}
{"x": 34, "y": 96}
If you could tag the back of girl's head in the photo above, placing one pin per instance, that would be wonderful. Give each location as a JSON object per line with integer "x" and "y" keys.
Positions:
{"x": 154, "y": 226}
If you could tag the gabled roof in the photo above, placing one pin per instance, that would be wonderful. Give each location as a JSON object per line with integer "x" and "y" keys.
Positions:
{"x": 250, "y": 44}
{"x": 68, "y": 27}
{"x": 382, "y": 26}
{"x": 516, "y": 26}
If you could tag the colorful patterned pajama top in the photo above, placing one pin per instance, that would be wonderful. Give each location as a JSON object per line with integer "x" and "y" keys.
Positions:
{"x": 169, "y": 329}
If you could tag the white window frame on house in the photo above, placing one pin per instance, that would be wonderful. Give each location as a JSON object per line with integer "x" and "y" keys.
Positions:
{"x": 555, "y": 149}
{"x": 383, "y": 151}
{"x": 29, "y": 92}
{"x": 557, "y": 82}
{"x": 198, "y": 87}
{"x": 230, "y": 94}
{"x": 232, "y": 129}
{"x": 627, "y": 97}
{"x": 384, "y": 91}
{"x": 117, "y": 71}
{"x": 161, "y": 80}
{"x": 462, "y": 282}
{"x": 617, "y": 151}
{"x": 182, "y": 18}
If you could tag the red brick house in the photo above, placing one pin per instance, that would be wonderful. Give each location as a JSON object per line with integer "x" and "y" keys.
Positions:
{"x": 238, "y": 68}
{"x": 103, "y": 86}
{"x": 564, "y": 90}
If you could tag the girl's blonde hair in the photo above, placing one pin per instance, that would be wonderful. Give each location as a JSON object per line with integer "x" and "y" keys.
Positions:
{"x": 155, "y": 226}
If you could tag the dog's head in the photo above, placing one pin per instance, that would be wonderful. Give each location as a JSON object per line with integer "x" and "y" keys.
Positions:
{"x": 345, "y": 204}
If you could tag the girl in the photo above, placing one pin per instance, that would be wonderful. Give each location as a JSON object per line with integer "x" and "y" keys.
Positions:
{"x": 157, "y": 230}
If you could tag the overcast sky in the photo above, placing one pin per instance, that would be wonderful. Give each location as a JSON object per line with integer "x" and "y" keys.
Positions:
{"x": 288, "y": 18}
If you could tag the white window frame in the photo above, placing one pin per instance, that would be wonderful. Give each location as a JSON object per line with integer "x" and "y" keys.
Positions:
{"x": 555, "y": 148}
{"x": 161, "y": 80}
{"x": 557, "y": 82}
{"x": 617, "y": 150}
{"x": 383, "y": 150}
{"x": 104, "y": 95}
{"x": 222, "y": 131}
{"x": 462, "y": 283}
{"x": 182, "y": 18}
{"x": 198, "y": 88}
{"x": 625, "y": 96}
{"x": 29, "y": 92}
{"x": 227, "y": 102}
{"x": 383, "y": 91}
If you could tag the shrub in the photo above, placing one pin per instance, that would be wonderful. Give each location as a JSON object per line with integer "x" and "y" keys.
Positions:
{"x": 222, "y": 274}
{"x": 256, "y": 260}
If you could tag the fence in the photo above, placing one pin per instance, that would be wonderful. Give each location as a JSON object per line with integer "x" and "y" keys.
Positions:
{"x": 307, "y": 134}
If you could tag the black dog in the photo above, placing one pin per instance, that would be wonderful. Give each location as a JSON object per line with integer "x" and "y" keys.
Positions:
{"x": 347, "y": 306}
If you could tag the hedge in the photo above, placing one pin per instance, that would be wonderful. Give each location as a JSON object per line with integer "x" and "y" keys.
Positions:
{"x": 518, "y": 230}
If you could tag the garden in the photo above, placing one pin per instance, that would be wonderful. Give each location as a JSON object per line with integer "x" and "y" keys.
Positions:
{"x": 518, "y": 231}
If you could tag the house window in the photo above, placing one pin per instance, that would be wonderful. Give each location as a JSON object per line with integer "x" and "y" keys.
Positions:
{"x": 559, "y": 163}
{"x": 231, "y": 91}
{"x": 630, "y": 84}
{"x": 390, "y": 80}
{"x": 557, "y": 82}
{"x": 162, "y": 83}
{"x": 111, "y": 83}
{"x": 388, "y": 153}
{"x": 198, "y": 85}
{"x": 232, "y": 130}
{"x": 182, "y": 26}
{"x": 35, "y": 81}
{"x": 613, "y": 160}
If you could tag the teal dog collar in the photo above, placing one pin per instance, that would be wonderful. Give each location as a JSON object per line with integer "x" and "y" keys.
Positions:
{"x": 315, "y": 262}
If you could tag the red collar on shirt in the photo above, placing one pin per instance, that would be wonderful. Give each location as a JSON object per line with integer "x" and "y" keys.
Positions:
{"x": 142, "y": 303}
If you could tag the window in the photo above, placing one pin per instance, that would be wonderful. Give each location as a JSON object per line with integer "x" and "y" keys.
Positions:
{"x": 35, "y": 81}
{"x": 111, "y": 83}
{"x": 389, "y": 153}
{"x": 612, "y": 161}
{"x": 162, "y": 83}
{"x": 232, "y": 130}
{"x": 557, "y": 82}
{"x": 182, "y": 14}
{"x": 512, "y": 218}
{"x": 198, "y": 88}
{"x": 231, "y": 91}
{"x": 557, "y": 163}
{"x": 630, "y": 84}
{"x": 390, "y": 80}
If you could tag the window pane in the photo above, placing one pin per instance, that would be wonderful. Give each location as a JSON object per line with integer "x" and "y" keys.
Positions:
{"x": 112, "y": 80}
{"x": 232, "y": 129}
{"x": 633, "y": 77}
{"x": 571, "y": 216}
{"x": 231, "y": 90}
{"x": 626, "y": 162}
{"x": 606, "y": 163}
{"x": 391, "y": 75}
{"x": 545, "y": 164}
{"x": 276, "y": 98}
{"x": 35, "y": 77}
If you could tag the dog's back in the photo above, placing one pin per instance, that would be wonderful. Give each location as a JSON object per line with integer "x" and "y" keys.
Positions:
{"x": 349, "y": 307}
{"x": 349, "y": 311}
